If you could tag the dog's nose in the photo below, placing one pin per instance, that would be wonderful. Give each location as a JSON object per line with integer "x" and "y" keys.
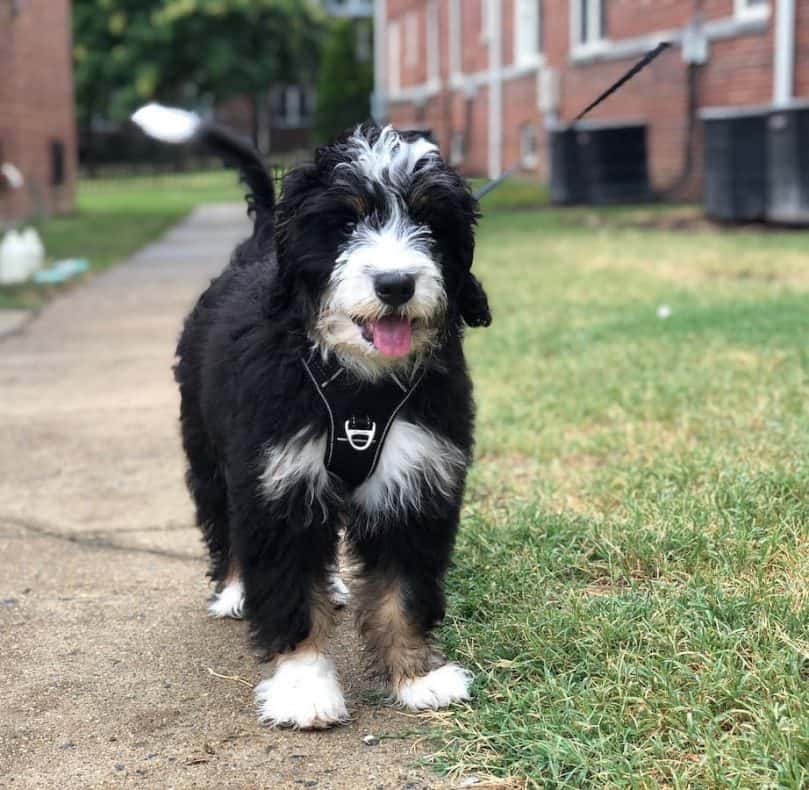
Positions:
{"x": 394, "y": 288}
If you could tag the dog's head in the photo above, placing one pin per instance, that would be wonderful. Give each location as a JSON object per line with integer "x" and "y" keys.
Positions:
{"x": 375, "y": 241}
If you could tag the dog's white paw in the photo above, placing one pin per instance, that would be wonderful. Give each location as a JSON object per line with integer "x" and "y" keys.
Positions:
{"x": 339, "y": 594}
{"x": 228, "y": 602}
{"x": 304, "y": 693}
{"x": 436, "y": 689}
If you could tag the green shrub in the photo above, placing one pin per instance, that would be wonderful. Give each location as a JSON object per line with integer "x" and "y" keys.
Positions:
{"x": 345, "y": 83}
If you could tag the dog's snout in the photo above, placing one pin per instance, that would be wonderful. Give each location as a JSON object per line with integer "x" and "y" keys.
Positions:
{"x": 394, "y": 288}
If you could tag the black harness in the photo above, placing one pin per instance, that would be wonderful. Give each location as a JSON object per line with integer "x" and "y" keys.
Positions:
{"x": 360, "y": 415}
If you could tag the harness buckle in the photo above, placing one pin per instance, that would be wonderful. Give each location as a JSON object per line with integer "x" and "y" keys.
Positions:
{"x": 360, "y": 433}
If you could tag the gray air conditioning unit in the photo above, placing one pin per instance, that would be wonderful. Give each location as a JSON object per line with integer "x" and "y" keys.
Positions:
{"x": 757, "y": 164}
{"x": 599, "y": 163}
{"x": 735, "y": 164}
{"x": 788, "y": 157}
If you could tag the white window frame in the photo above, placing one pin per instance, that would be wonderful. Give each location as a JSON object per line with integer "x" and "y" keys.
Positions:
{"x": 528, "y": 50}
{"x": 486, "y": 26}
{"x": 455, "y": 31}
{"x": 433, "y": 42}
{"x": 394, "y": 57}
{"x": 411, "y": 38}
{"x": 293, "y": 106}
{"x": 596, "y": 39}
{"x": 457, "y": 148}
{"x": 747, "y": 11}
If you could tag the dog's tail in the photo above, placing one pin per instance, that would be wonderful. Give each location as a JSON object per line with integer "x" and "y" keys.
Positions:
{"x": 172, "y": 125}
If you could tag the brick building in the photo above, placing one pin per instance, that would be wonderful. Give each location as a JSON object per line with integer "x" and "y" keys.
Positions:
{"x": 37, "y": 124}
{"x": 493, "y": 78}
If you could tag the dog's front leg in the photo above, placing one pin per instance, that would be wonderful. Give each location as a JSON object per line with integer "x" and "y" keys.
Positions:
{"x": 400, "y": 600}
{"x": 285, "y": 547}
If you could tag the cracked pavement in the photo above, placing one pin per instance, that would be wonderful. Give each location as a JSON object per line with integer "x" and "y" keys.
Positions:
{"x": 111, "y": 673}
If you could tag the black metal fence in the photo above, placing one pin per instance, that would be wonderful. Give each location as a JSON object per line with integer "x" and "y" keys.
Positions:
{"x": 126, "y": 150}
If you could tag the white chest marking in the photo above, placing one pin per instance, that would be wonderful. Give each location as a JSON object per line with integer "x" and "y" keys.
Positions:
{"x": 298, "y": 460}
{"x": 414, "y": 463}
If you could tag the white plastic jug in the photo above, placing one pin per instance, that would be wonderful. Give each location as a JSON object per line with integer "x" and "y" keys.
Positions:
{"x": 21, "y": 254}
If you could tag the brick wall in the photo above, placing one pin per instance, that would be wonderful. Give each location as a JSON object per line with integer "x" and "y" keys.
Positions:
{"x": 739, "y": 73}
{"x": 36, "y": 102}
{"x": 802, "y": 49}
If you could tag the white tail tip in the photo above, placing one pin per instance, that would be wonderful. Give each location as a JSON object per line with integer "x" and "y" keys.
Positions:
{"x": 169, "y": 124}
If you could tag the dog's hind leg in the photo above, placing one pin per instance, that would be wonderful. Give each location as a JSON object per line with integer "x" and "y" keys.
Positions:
{"x": 228, "y": 600}
{"x": 208, "y": 488}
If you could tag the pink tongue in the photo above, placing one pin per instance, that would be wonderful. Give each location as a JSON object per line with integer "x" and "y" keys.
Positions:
{"x": 392, "y": 336}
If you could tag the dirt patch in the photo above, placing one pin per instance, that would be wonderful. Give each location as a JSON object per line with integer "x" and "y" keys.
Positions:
{"x": 683, "y": 219}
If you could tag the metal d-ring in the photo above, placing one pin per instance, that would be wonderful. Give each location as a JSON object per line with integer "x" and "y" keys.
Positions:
{"x": 360, "y": 439}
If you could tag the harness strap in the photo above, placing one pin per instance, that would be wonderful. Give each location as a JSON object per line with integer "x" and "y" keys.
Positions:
{"x": 360, "y": 415}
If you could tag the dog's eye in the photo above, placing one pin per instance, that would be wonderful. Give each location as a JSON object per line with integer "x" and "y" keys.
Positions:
{"x": 348, "y": 227}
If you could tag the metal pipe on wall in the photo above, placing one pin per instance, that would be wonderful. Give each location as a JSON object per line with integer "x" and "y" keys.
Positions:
{"x": 784, "y": 58}
{"x": 495, "y": 87}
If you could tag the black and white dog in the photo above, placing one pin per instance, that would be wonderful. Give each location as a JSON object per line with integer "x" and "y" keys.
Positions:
{"x": 325, "y": 392}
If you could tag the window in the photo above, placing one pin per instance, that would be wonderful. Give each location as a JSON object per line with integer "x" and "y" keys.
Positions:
{"x": 293, "y": 106}
{"x": 588, "y": 22}
{"x": 457, "y": 148}
{"x": 528, "y": 146}
{"x": 752, "y": 9}
{"x": 394, "y": 54}
{"x": 57, "y": 163}
{"x": 527, "y": 30}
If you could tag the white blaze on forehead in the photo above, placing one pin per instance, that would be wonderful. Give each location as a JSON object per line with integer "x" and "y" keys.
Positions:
{"x": 398, "y": 245}
{"x": 390, "y": 156}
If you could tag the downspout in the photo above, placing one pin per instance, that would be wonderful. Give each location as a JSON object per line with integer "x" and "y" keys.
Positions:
{"x": 379, "y": 100}
{"x": 495, "y": 89}
{"x": 784, "y": 61}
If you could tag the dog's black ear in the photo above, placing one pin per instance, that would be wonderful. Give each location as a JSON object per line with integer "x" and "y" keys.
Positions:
{"x": 474, "y": 303}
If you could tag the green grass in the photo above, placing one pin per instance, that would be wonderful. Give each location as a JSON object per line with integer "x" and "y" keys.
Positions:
{"x": 115, "y": 217}
{"x": 631, "y": 584}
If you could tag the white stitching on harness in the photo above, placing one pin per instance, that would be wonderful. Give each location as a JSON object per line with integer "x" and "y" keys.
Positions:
{"x": 328, "y": 409}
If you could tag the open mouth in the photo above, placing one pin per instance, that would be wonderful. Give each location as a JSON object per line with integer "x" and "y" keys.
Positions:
{"x": 391, "y": 335}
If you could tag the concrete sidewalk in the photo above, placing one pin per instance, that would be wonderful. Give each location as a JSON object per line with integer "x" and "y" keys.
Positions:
{"x": 107, "y": 657}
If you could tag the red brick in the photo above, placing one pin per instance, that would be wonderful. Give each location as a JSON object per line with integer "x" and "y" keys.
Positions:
{"x": 36, "y": 101}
